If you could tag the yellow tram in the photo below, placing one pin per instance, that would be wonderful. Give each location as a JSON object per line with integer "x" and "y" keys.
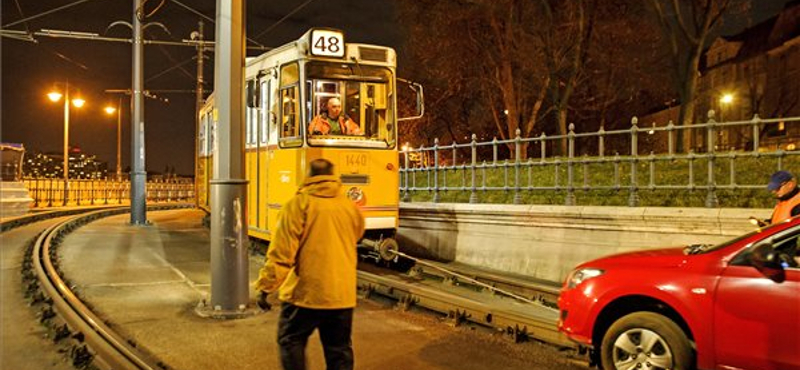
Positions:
{"x": 286, "y": 88}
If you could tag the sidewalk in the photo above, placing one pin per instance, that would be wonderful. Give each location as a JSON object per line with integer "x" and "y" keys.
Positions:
{"x": 147, "y": 281}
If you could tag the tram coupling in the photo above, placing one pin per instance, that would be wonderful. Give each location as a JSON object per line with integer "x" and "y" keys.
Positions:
{"x": 382, "y": 249}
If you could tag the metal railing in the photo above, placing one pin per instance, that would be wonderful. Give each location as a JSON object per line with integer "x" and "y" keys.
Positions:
{"x": 49, "y": 192}
{"x": 456, "y": 169}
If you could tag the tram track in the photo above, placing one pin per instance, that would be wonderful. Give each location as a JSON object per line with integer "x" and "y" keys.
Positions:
{"x": 93, "y": 342}
{"x": 523, "y": 309}
{"x": 517, "y": 307}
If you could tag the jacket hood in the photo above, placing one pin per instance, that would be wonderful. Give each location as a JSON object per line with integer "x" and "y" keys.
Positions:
{"x": 323, "y": 186}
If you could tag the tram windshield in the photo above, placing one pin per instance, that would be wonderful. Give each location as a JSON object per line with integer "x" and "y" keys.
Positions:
{"x": 350, "y": 105}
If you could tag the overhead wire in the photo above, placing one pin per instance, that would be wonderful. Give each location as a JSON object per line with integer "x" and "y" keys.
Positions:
{"x": 297, "y": 9}
{"x": 48, "y": 12}
{"x": 21, "y": 14}
{"x": 212, "y": 20}
{"x": 170, "y": 69}
{"x": 140, "y": 13}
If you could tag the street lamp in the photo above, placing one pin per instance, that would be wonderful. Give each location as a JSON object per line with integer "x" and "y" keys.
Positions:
{"x": 110, "y": 110}
{"x": 77, "y": 102}
{"x": 724, "y": 101}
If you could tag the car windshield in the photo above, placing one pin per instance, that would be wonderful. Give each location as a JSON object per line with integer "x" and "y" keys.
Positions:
{"x": 350, "y": 105}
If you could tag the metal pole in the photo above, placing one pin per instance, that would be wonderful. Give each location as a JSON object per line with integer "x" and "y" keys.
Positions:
{"x": 406, "y": 194}
{"x": 517, "y": 154}
{"x": 138, "y": 174}
{"x": 633, "y": 199}
{"x": 229, "y": 254}
{"x": 119, "y": 140}
{"x": 570, "y": 198}
{"x": 436, "y": 197}
{"x": 473, "y": 195}
{"x": 711, "y": 195}
{"x": 198, "y": 104}
{"x": 66, "y": 142}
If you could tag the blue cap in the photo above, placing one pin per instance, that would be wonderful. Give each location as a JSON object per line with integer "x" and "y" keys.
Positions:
{"x": 777, "y": 179}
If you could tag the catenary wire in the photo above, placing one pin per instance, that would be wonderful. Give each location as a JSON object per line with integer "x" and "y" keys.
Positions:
{"x": 48, "y": 12}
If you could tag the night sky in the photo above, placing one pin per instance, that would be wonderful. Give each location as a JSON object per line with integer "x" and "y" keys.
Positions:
{"x": 30, "y": 70}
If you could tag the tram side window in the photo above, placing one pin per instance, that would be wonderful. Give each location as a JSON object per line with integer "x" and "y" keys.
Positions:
{"x": 265, "y": 111}
{"x": 290, "y": 111}
{"x": 250, "y": 118}
{"x": 202, "y": 134}
{"x": 212, "y": 145}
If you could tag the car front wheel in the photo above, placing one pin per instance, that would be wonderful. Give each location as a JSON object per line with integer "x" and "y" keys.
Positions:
{"x": 646, "y": 341}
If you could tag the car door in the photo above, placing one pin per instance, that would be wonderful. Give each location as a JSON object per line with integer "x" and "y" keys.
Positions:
{"x": 756, "y": 319}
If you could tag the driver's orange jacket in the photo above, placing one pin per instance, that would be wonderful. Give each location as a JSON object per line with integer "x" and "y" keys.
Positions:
{"x": 321, "y": 124}
{"x": 783, "y": 210}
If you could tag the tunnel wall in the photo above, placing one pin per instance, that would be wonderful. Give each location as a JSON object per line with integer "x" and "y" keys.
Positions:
{"x": 546, "y": 242}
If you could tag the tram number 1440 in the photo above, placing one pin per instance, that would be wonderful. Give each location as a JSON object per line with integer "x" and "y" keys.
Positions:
{"x": 355, "y": 163}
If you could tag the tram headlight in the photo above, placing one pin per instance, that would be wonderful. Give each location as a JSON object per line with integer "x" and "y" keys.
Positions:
{"x": 356, "y": 195}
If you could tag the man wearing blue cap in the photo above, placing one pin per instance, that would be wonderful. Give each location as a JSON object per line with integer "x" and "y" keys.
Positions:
{"x": 784, "y": 187}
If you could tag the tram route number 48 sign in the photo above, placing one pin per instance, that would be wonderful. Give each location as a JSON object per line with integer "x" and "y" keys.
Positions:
{"x": 327, "y": 43}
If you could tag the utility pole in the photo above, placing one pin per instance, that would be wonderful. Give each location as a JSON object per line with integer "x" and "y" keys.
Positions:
{"x": 229, "y": 254}
{"x": 198, "y": 104}
{"x": 66, "y": 143}
{"x": 138, "y": 174}
{"x": 119, "y": 140}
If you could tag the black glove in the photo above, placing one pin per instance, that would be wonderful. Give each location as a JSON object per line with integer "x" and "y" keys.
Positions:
{"x": 262, "y": 302}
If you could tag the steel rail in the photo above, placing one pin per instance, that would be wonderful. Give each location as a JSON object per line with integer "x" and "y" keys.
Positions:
{"x": 12, "y": 222}
{"x": 110, "y": 349}
{"x": 460, "y": 308}
{"x": 541, "y": 292}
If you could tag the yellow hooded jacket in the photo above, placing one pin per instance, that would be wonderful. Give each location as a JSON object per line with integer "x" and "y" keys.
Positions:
{"x": 311, "y": 259}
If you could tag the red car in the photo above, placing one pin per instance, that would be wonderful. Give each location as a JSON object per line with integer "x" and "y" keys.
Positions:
{"x": 733, "y": 306}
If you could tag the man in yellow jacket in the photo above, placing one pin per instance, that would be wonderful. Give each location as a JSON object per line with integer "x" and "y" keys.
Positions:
{"x": 311, "y": 262}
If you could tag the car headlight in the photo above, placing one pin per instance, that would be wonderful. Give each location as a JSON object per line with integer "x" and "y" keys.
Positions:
{"x": 581, "y": 275}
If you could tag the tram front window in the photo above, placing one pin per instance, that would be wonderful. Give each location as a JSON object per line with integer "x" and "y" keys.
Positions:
{"x": 350, "y": 105}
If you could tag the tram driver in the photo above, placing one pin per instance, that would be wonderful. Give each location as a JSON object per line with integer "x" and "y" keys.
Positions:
{"x": 333, "y": 121}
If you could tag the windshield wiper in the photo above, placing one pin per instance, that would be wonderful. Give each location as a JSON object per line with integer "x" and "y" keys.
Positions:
{"x": 696, "y": 248}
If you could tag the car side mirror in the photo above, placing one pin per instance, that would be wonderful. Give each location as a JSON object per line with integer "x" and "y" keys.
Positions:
{"x": 766, "y": 260}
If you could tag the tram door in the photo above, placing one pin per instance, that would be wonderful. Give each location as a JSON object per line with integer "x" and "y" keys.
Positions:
{"x": 267, "y": 135}
{"x": 251, "y": 154}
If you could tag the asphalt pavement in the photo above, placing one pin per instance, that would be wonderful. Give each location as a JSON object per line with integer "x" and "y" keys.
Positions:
{"x": 147, "y": 281}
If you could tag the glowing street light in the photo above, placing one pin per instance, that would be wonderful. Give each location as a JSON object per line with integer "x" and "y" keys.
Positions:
{"x": 724, "y": 101}
{"x": 110, "y": 110}
{"x": 77, "y": 102}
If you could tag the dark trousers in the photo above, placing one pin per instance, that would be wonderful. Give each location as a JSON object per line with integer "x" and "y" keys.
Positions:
{"x": 296, "y": 325}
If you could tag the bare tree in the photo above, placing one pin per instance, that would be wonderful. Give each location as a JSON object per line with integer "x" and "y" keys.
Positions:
{"x": 625, "y": 70}
{"x": 686, "y": 26}
{"x": 565, "y": 31}
{"x": 482, "y": 50}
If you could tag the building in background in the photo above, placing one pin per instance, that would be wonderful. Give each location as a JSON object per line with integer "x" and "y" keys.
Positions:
{"x": 755, "y": 72}
{"x": 50, "y": 165}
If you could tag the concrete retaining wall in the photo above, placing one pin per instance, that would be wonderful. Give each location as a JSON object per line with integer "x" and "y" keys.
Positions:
{"x": 14, "y": 199}
{"x": 546, "y": 242}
